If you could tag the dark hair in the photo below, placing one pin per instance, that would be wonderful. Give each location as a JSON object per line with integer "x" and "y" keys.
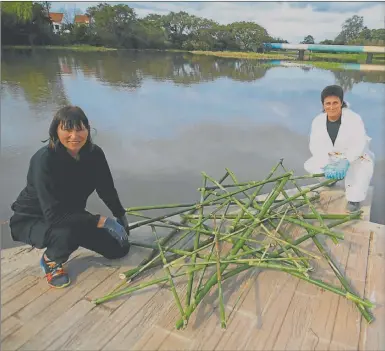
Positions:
{"x": 71, "y": 117}
{"x": 333, "y": 90}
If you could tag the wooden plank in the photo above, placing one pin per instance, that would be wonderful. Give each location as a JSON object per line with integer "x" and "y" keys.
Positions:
{"x": 165, "y": 336}
{"x": 18, "y": 288}
{"x": 67, "y": 339}
{"x": 131, "y": 261}
{"x": 24, "y": 299}
{"x": 79, "y": 269}
{"x": 318, "y": 333}
{"x": 9, "y": 325}
{"x": 135, "y": 332}
{"x": 101, "y": 332}
{"x": 49, "y": 314}
{"x": 347, "y": 324}
{"x": 372, "y": 336}
{"x": 13, "y": 277}
{"x": 265, "y": 305}
{"x": 64, "y": 321}
{"x": 297, "y": 321}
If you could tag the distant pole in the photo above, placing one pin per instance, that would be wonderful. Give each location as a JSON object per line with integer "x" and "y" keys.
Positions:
{"x": 369, "y": 57}
{"x": 301, "y": 55}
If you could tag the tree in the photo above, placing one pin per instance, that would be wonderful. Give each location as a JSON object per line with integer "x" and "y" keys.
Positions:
{"x": 308, "y": 40}
{"x": 351, "y": 29}
{"x": 113, "y": 24}
{"x": 21, "y": 10}
{"x": 249, "y": 35}
{"x": 327, "y": 42}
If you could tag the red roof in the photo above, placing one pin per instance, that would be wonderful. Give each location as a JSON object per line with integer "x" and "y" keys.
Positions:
{"x": 56, "y": 16}
{"x": 82, "y": 19}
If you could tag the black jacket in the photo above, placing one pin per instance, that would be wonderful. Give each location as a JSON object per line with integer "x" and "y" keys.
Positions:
{"x": 58, "y": 186}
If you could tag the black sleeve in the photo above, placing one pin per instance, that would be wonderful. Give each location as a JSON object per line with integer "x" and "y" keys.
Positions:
{"x": 105, "y": 185}
{"x": 54, "y": 212}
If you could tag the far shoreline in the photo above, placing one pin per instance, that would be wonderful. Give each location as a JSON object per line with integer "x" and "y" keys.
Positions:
{"x": 319, "y": 60}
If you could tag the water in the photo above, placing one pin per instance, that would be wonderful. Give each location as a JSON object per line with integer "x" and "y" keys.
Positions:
{"x": 162, "y": 118}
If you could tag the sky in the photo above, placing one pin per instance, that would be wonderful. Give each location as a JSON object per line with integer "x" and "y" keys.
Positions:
{"x": 288, "y": 20}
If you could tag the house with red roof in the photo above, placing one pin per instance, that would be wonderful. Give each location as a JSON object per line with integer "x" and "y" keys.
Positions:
{"x": 57, "y": 21}
{"x": 82, "y": 19}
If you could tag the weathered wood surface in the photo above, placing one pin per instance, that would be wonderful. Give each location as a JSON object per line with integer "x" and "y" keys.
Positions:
{"x": 275, "y": 312}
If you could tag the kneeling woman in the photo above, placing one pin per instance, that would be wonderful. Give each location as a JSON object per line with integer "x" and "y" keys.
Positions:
{"x": 50, "y": 211}
{"x": 340, "y": 147}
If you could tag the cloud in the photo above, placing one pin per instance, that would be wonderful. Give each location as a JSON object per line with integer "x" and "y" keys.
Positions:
{"x": 289, "y": 20}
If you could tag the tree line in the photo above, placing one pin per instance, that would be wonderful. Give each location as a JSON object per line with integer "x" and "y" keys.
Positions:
{"x": 353, "y": 32}
{"x": 118, "y": 26}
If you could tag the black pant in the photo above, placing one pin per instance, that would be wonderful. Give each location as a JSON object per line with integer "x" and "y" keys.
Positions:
{"x": 61, "y": 242}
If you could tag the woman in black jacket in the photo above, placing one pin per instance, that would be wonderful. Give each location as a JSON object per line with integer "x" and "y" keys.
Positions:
{"x": 50, "y": 211}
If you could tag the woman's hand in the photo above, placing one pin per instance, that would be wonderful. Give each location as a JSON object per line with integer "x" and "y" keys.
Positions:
{"x": 116, "y": 230}
{"x": 124, "y": 223}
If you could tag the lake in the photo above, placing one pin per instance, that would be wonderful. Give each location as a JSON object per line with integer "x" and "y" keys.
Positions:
{"x": 163, "y": 118}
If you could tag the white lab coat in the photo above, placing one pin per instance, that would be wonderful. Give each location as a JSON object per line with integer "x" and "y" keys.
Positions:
{"x": 352, "y": 143}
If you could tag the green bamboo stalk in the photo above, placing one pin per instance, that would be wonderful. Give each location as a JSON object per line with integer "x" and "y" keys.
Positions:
{"x": 309, "y": 176}
{"x": 173, "y": 289}
{"x": 138, "y": 287}
{"x": 319, "y": 230}
{"x": 209, "y": 257}
{"x": 243, "y": 208}
{"x": 304, "y": 215}
{"x": 158, "y": 207}
{"x": 196, "y": 244}
{"x": 219, "y": 278}
{"x": 304, "y": 191}
{"x": 255, "y": 194}
{"x": 236, "y": 248}
{"x": 175, "y": 231}
{"x": 263, "y": 258}
{"x": 190, "y": 229}
{"x": 284, "y": 236}
{"x": 336, "y": 271}
{"x": 308, "y": 236}
{"x": 318, "y": 282}
{"x": 156, "y": 261}
{"x": 196, "y": 206}
{"x": 319, "y": 218}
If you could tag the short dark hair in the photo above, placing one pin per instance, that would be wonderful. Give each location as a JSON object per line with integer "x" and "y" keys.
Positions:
{"x": 71, "y": 117}
{"x": 333, "y": 90}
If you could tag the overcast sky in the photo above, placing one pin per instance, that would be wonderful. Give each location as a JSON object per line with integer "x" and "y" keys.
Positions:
{"x": 288, "y": 20}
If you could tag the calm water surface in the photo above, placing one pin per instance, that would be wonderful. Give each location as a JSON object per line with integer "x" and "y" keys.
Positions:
{"x": 163, "y": 118}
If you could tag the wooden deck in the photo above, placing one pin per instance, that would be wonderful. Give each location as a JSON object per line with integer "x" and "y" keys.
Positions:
{"x": 276, "y": 311}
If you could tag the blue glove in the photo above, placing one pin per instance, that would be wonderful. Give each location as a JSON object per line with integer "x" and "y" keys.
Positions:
{"x": 117, "y": 231}
{"x": 337, "y": 170}
{"x": 124, "y": 223}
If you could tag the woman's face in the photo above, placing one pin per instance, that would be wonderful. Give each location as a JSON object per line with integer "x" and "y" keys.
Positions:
{"x": 333, "y": 107}
{"x": 72, "y": 139}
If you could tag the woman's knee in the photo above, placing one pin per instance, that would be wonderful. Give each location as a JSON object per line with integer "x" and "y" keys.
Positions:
{"x": 313, "y": 166}
{"x": 118, "y": 252}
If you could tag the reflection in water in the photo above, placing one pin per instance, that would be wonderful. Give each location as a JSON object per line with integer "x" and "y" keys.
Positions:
{"x": 162, "y": 118}
{"x": 39, "y": 79}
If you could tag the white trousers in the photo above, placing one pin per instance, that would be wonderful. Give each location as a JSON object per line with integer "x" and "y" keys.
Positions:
{"x": 357, "y": 180}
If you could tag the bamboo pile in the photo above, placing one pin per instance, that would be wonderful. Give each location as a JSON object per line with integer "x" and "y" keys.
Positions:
{"x": 253, "y": 231}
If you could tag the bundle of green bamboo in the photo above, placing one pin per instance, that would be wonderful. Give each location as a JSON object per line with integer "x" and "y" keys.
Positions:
{"x": 253, "y": 231}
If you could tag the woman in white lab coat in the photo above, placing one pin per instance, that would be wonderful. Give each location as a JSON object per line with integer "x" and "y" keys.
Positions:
{"x": 340, "y": 147}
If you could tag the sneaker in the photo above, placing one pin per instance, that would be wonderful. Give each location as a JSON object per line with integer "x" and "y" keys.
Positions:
{"x": 55, "y": 274}
{"x": 353, "y": 206}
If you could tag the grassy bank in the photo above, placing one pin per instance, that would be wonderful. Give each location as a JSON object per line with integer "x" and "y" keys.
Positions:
{"x": 272, "y": 55}
{"x": 244, "y": 55}
{"x": 359, "y": 58}
{"x": 81, "y": 48}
